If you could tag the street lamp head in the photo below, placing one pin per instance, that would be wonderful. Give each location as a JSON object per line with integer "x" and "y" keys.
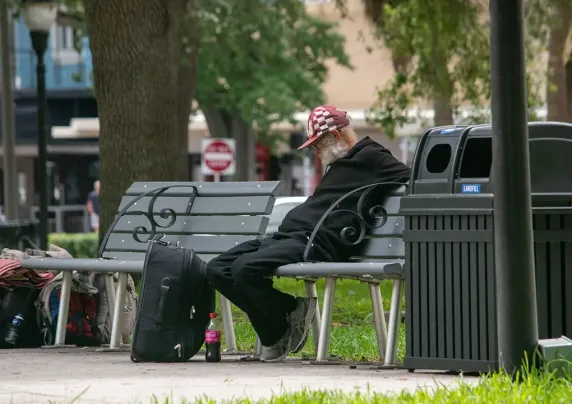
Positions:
{"x": 40, "y": 15}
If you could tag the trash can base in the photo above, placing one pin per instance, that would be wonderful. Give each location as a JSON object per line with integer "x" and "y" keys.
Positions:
{"x": 449, "y": 365}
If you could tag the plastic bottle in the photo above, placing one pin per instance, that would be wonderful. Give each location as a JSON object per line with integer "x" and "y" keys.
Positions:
{"x": 14, "y": 330}
{"x": 212, "y": 340}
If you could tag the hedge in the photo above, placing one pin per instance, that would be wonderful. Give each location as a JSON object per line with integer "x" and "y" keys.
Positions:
{"x": 79, "y": 245}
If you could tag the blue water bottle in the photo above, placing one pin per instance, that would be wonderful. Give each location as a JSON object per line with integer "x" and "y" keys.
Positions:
{"x": 13, "y": 331}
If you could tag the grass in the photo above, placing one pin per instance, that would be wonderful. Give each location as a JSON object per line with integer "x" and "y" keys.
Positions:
{"x": 353, "y": 335}
{"x": 529, "y": 387}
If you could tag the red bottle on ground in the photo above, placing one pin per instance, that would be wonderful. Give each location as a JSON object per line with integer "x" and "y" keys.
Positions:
{"x": 212, "y": 340}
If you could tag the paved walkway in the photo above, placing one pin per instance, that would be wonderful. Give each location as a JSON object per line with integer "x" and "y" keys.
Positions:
{"x": 60, "y": 375}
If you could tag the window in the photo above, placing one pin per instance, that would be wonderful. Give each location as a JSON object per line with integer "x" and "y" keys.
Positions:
{"x": 22, "y": 189}
{"x": 63, "y": 45}
{"x": 438, "y": 158}
{"x": 477, "y": 158}
{"x": 64, "y": 37}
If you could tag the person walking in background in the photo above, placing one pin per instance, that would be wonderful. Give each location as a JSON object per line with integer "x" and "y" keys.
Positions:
{"x": 93, "y": 206}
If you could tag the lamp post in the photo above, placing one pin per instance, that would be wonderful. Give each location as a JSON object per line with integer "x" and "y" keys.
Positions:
{"x": 39, "y": 16}
{"x": 514, "y": 248}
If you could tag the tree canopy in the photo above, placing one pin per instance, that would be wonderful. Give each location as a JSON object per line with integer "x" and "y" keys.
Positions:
{"x": 446, "y": 46}
{"x": 264, "y": 60}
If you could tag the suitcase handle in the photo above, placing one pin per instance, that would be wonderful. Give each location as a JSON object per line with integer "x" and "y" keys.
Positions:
{"x": 165, "y": 285}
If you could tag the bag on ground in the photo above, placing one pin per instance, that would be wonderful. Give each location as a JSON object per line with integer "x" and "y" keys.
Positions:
{"x": 21, "y": 301}
{"x": 81, "y": 321}
{"x": 103, "y": 313}
{"x": 174, "y": 305}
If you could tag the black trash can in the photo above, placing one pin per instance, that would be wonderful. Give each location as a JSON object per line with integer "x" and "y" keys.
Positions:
{"x": 449, "y": 239}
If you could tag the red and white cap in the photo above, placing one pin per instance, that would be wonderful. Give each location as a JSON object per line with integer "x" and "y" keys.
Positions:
{"x": 324, "y": 119}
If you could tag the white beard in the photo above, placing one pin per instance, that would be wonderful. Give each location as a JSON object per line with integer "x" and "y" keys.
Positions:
{"x": 332, "y": 150}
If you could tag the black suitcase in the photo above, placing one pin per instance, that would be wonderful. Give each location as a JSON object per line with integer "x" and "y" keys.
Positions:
{"x": 173, "y": 310}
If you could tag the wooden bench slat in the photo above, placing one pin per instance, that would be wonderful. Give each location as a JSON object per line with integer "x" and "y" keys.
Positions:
{"x": 393, "y": 226}
{"x": 200, "y": 244}
{"x": 140, "y": 256}
{"x": 240, "y": 205}
{"x": 383, "y": 247}
{"x": 272, "y": 188}
{"x": 254, "y": 225}
{"x": 392, "y": 204}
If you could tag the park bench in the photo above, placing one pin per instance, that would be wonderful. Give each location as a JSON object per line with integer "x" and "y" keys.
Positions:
{"x": 381, "y": 256}
{"x": 208, "y": 217}
{"x": 211, "y": 218}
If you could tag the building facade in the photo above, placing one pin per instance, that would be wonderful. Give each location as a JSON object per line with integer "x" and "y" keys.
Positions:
{"x": 73, "y": 163}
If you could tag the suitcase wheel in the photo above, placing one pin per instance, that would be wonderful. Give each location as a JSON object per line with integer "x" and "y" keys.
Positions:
{"x": 134, "y": 359}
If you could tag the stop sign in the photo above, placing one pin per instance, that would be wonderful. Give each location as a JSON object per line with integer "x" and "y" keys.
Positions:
{"x": 218, "y": 156}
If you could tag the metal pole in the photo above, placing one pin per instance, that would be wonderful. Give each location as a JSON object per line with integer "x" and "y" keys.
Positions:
{"x": 40, "y": 43}
{"x": 514, "y": 260}
{"x": 8, "y": 127}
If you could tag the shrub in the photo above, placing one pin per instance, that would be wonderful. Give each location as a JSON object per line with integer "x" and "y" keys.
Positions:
{"x": 79, "y": 245}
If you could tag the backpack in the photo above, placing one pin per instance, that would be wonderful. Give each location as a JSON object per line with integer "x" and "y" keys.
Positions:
{"x": 80, "y": 325}
{"x": 22, "y": 300}
{"x": 103, "y": 317}
{"x": 81, "y": 316}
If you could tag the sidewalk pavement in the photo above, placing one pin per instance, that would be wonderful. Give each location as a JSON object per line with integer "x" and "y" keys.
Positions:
{"x": 60, "y": 375}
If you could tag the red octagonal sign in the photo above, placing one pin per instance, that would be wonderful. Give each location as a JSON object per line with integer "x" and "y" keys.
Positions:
{"x": 218, "y": 156}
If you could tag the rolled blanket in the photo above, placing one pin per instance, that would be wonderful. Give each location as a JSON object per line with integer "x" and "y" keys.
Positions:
{"x": 11, "y": 274}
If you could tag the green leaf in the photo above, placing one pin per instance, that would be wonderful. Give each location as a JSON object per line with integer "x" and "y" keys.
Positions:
{"x": 264, "y": 61}
{"x": 447, "y": 45}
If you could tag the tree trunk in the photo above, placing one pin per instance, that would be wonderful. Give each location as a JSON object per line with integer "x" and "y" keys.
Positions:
{"x": 245, "y": 150}
{"x": 442, "y": 94}
{"x": 443, "y": 110}
{"x": 442, "y": 85}
{"x": 187, "y": 76}
{"x": 400, "y": 63}
{"x": 143, "y": 94}
{"x": 556, "y": 86}
{"x": 218, "y": 121}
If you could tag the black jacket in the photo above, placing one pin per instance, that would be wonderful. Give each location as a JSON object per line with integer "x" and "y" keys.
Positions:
{"x": 366, "y": 163}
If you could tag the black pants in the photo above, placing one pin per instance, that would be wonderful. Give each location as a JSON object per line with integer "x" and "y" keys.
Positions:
{"x": 239, "y": 274}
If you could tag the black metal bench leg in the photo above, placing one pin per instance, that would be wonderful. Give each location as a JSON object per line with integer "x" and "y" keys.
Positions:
{"x": 378, "y": 318}
{"x": 312, "y": 292}
{"x": 326, "y": 323}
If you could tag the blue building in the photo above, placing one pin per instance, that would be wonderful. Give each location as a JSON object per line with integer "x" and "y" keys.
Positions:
{"x": 73, "y": 162}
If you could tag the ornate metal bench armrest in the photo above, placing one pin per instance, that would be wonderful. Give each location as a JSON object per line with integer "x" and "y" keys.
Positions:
{"x": 375, "y": 212}
{"x": 165, "y": 213}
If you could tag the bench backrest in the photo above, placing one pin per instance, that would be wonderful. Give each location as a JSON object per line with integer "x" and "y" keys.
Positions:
{"x": 208, "y": 217}
{"x": 386, "y": 242}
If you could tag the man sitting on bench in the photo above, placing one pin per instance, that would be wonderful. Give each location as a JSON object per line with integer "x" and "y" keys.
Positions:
{"x": 241, "y": 274}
